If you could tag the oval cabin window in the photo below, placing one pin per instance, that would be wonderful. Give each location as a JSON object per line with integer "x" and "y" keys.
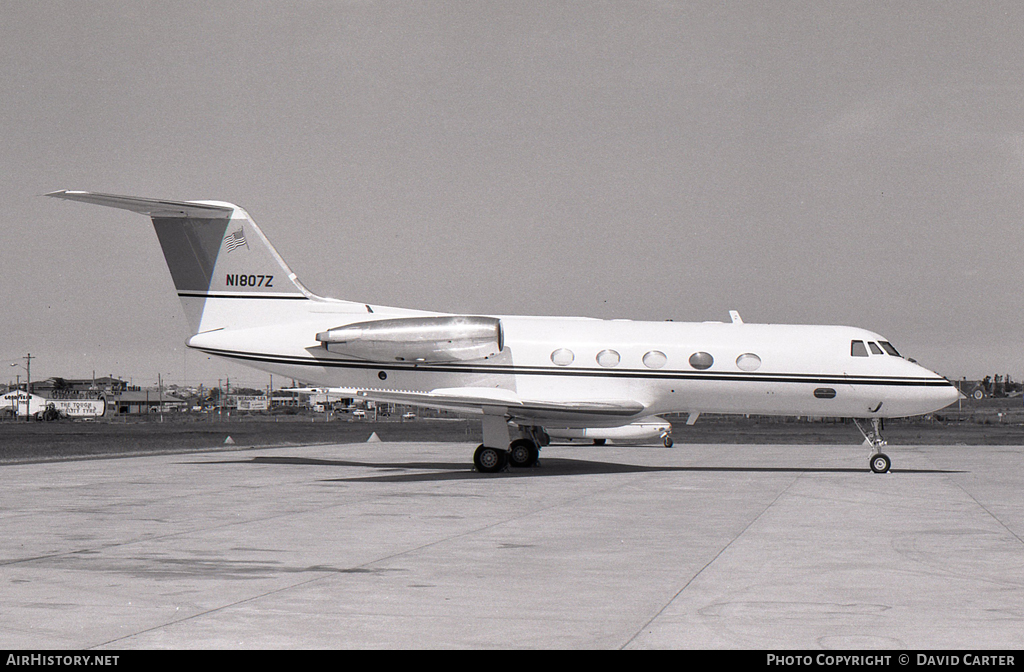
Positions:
{"x": 701, "y": 360}
{"x": 608, "y": 358}
{"x": 825, "y": 393}
{"x": 748, "y": 362}
{"x": 562, "y": 357}
{"x": 655, "y": 359}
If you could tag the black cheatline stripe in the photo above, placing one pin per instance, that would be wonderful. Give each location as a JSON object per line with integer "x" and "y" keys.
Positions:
{"x": 206, "y": 295}
{"x": 588, "y": 373}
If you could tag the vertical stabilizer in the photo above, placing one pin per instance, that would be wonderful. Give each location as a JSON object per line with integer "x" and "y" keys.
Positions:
{"x": 224, "y": 269}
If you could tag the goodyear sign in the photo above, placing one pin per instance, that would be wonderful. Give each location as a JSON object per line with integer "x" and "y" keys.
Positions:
{"x": 19, "y": 402}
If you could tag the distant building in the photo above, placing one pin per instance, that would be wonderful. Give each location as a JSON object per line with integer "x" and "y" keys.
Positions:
{"x": 122, "y": 397}
{"x": 58, "y": 387}
{"x": 141, "y": 402}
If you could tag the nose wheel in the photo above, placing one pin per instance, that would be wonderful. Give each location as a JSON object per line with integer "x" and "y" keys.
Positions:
{"x": 879, "y": 462}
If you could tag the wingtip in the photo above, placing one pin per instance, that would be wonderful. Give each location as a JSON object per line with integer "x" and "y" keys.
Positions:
{"x": 63, "y": 193}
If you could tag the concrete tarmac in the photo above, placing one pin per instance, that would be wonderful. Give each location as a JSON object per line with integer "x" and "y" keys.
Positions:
{"x": 402, "y": 545}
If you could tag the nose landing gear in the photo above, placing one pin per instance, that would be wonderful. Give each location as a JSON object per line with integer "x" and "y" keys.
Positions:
{"x": 879, "y": 462}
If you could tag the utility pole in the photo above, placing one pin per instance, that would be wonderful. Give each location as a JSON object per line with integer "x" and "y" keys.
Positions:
{"x": 28, "y": 386}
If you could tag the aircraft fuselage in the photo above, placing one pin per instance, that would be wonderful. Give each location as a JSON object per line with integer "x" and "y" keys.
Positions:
{"x": 769, "y": 369}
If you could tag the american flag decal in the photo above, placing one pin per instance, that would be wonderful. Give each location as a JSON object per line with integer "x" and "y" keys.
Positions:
{"x": 236, "y": 239}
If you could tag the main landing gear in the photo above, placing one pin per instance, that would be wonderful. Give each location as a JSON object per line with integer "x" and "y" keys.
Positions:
{"x": 523, "y": 452}
{"x": 489, "y": 460}
{"x": 879, "y": 462}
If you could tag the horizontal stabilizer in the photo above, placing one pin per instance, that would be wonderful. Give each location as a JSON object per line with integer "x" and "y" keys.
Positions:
{"x": 148, "y": 206}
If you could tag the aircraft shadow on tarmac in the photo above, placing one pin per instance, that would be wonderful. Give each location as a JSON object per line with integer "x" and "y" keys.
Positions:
{"x": 405, "y": 472}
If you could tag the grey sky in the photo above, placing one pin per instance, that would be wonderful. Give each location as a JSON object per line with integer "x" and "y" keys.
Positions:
{"x": 806, "y": 162}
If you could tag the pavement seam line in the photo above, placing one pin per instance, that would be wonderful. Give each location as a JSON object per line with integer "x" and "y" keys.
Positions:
{"x": 709, "y": 563}
{"x": 975, "y": 500}
{"x": 327, "y": 575}
{"x": 987, "y": 511}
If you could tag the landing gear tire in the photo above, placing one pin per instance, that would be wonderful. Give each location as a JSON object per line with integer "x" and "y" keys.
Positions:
{"x": 668, "y": 441}
{"x": 880, "y": 463}
{"x": 598, "y": 442}
{"x": 489, "y": 460}
{"x": 523, "y": 453}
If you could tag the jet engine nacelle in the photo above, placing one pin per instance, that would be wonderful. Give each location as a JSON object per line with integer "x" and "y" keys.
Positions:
{"x": 452, "y": 338}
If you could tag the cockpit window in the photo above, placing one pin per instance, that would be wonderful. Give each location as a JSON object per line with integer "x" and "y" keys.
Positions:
{"x": 857, "y": 349}
{"x": 887, "y": 346}
{"x": 875, "y": 350}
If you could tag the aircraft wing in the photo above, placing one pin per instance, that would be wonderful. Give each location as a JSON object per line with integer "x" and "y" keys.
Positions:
{"x": 505, "y": 402}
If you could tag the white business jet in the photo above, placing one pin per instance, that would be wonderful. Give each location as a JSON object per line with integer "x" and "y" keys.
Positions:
{"x": 243, "y": 303}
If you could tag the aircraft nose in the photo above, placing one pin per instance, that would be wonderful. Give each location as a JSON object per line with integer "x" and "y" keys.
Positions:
{"x": 945, "y": 395}
{"x": 941, "y": 392}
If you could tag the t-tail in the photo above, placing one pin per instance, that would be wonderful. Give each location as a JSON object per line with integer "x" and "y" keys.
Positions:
{"x": 226, "y": 272}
